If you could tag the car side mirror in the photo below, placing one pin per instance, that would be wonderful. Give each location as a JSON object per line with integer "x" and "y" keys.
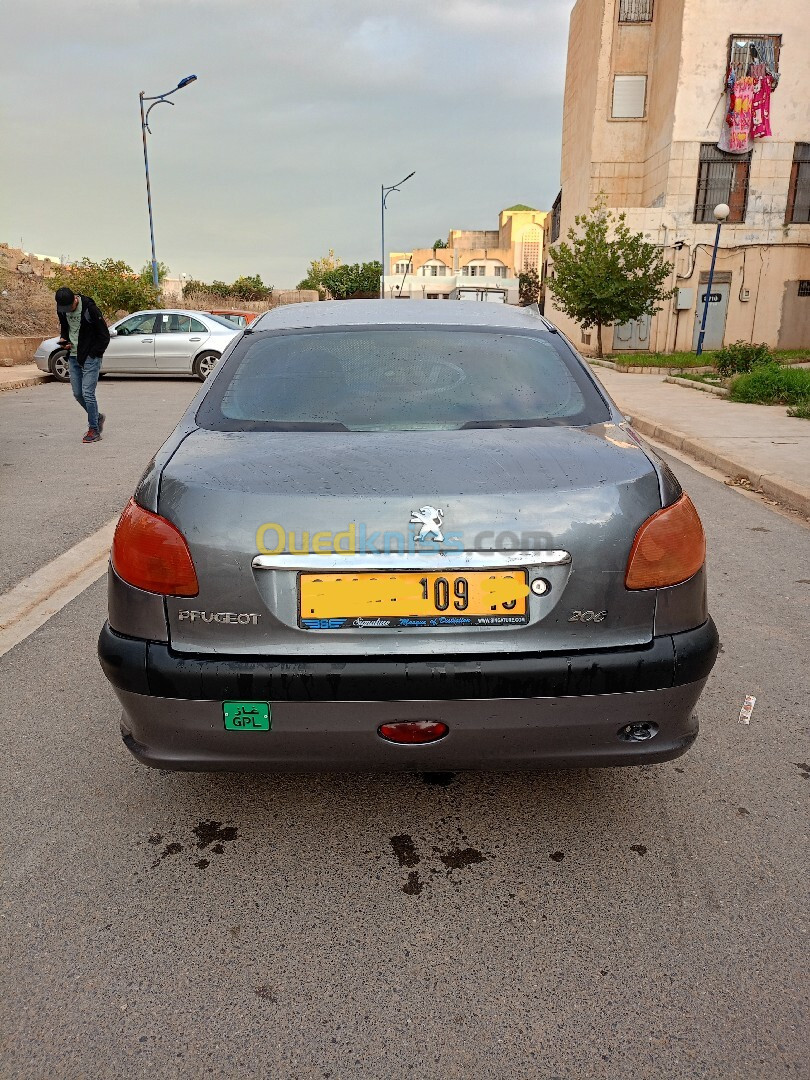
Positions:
{"x": 113, "y": 333}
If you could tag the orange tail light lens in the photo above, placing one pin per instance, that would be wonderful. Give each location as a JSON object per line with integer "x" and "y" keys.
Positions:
{"x": 150, "y": 553}
{"x": 670, "y": 547}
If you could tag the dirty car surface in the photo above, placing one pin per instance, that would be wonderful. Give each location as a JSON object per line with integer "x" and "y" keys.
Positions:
{"x": 406, "y": 537}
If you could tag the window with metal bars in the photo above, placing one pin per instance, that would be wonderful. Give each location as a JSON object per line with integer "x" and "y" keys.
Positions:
{"x": 804, "y": 288}
{"x": 798, "y": 204}
{"x": 635, "y": 10}
{"x": 747, "y": 49}
{"x": 556, "y": 210}
{"x": 722, "y": 178}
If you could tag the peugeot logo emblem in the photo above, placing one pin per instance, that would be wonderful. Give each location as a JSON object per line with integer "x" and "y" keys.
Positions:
{"x": 431, "y": 521}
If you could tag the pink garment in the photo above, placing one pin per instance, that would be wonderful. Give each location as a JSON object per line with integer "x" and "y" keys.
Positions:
{"x": 735, "y": 138}
{"x": 761, "y": 108}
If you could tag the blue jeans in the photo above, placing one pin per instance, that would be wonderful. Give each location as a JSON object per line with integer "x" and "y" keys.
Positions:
{"x": 83, "y": 384}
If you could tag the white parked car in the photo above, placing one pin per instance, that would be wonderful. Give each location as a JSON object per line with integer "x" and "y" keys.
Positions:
{"x": 169, "y": 342}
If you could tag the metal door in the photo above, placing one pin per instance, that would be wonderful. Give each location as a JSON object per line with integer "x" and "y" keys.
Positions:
{"x": 180, "y": 340}
{"x": 132, "y": 347}
{"x": 633, "y": 335}
{"x": 715, "y": 317}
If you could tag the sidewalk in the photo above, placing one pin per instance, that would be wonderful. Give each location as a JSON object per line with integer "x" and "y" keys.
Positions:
{"x": 21, "y": 375}
{"x": 758, "y": 442}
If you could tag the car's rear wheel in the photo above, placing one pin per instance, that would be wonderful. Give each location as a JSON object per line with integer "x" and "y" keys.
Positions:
{"x": 205, "y": 364}
{"x": 60, "y": 366}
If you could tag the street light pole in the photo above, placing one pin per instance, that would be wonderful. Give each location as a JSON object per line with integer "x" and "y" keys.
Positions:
{"x": 721, "y": 212}
{"x": 384, "y": 193}
{"x": 156, "y": 99}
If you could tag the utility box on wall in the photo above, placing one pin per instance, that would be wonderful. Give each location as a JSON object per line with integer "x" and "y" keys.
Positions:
{"x": 685, "y": 300}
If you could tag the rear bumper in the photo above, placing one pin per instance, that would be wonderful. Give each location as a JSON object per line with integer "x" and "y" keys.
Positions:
{"x": 503, "y": 712}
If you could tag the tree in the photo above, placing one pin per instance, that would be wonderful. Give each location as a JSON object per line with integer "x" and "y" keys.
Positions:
{"x": 317, "y": 269}
{"x": 250, "y": 288}
{"x": 359, "y": 281}
{"x": 146, "y": 272}
{"x": 111, "y": 283}
{"x": 244, "y": 288}
{"x": 439, "y": 244}
{"x": 607, "y": 274}
{"x": 528, "y": 287}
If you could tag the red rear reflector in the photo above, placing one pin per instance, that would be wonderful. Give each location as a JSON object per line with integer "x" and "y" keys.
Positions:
{"x": 413, "y": 731}
{"x": 669, "y": 548}
{"x": 151, "y": 554}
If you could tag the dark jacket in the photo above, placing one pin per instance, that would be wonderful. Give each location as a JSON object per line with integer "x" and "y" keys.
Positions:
{"x": 94, "y": 337}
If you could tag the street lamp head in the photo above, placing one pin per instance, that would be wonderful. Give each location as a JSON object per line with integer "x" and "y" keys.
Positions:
{"x": 721, "y": 211}
{"x": 184, "y": 82}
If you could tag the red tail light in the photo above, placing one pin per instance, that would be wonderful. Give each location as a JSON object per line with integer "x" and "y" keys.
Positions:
{"x": 150, "y": 553}
{"x": 413, "y": 731}
{"x": 670, "y": 547}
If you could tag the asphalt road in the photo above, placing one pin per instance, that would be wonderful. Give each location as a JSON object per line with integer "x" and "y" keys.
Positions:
{"x": 608, "y": 923}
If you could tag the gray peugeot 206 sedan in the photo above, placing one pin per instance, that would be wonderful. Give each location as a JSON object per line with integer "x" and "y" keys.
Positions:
{"x": 406, "y": 536}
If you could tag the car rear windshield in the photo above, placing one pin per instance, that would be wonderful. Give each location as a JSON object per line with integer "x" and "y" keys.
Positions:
{"x": 399, "y": 379}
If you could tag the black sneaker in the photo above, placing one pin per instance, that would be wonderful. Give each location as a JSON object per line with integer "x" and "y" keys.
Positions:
{"x": 101, "y": 419}
{"x": 92, "y": 436}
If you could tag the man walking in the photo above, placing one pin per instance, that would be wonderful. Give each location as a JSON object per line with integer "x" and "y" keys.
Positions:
{"x": 85, "y": 334}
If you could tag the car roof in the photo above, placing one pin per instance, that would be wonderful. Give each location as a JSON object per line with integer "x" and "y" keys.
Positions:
{"x": 399, "y": 312}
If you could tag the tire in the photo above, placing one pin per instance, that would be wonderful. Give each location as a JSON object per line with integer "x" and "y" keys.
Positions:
{"x": 204, "y": 364}
{"x": 59, "y": 366}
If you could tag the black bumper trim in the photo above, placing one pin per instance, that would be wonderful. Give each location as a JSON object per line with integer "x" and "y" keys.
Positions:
{"x": 151, "y": 668}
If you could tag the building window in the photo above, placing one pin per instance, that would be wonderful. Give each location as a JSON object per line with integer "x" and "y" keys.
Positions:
{"x": 635, "y": 10}
{"x": 556, "y": 211}
{"x": 804, "y": 288}
{"x": 434, "y": 271}
{"x": 798, "y": 204}
{"x": 465, "y": 270}
{"x": 747, "y": 49}
{"x": 499, "y": 271}
{"x": 722, "y": 178}
{"x": 629, "y": 94}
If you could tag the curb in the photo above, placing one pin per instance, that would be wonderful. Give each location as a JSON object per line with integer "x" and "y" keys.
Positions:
{"x": 27, "y": 380}
{"x": 795, "y": 496}
{"x": 632, "y": 369}
{"x": 707, "y": 388}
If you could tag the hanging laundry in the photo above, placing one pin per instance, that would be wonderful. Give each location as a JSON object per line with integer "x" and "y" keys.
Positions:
{"x": 735, "y": 138}
{"x": 761, "y": 107}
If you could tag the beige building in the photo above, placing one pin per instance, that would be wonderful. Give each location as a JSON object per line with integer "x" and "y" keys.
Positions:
{"x": 475, "y": 265}
{"x": 645, "y": 107}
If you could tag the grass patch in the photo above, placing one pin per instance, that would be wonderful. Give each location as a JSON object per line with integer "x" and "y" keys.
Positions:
{"x": 689, "y": 360}
{"x": 802, "y": 410}
{"x": 771, "y": 384}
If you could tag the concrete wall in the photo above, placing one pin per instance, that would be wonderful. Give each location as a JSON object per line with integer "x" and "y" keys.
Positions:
{"x": 18, "y": 350}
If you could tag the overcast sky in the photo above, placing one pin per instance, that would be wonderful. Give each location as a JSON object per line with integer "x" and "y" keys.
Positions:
{"x": 302, "y": 109}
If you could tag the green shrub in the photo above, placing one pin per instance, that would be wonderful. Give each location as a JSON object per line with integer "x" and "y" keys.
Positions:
{"x": 111, "y": 283}
{"x": 770, "y": 384}
{"x": 741, "y": 357}
{"x": 802, "y": 410}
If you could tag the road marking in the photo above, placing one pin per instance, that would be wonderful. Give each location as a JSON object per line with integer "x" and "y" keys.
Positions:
{"x": 34, "y": 600}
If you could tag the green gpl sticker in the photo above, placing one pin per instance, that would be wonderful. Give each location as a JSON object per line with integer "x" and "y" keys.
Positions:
{"x": 246, "y": 715}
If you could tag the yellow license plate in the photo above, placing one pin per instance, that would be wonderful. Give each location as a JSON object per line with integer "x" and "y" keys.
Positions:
{"x": 383, "y": 600}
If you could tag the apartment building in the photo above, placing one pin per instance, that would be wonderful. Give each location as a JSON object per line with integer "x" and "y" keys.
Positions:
{"x": 646, "y": 121}
{"x": 474, "y": 264}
